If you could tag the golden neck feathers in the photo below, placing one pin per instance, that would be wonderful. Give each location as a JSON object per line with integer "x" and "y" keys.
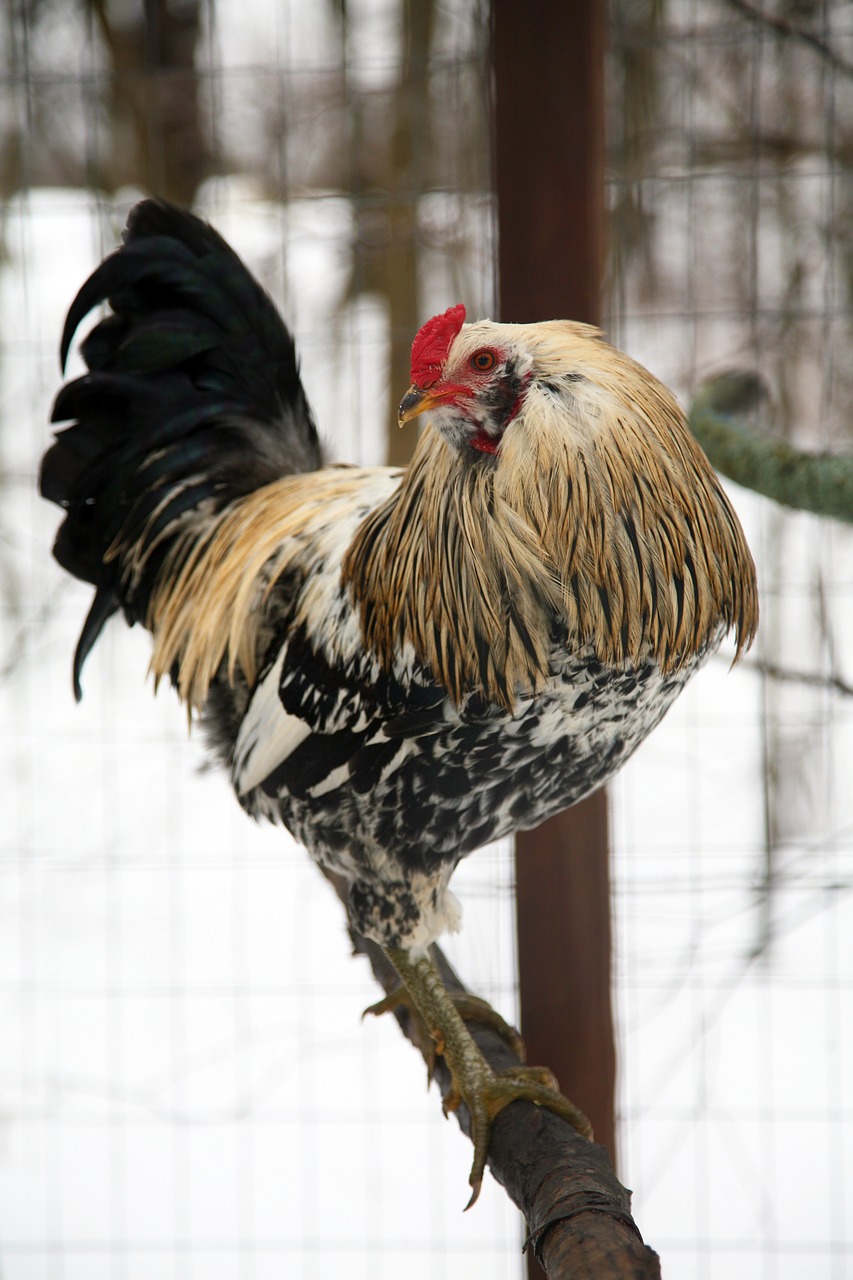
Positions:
{"x": 600, "y": 522}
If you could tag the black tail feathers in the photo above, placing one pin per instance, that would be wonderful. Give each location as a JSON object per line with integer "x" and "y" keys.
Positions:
{"x": 193, "y": 398}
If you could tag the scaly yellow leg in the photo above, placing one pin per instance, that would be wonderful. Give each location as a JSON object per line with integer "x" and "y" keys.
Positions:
{"x": 470, "y": 1008}
{"x": 484, "y": 1091}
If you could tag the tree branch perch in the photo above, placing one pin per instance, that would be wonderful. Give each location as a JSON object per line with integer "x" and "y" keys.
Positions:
{"x": 818, "y": 482}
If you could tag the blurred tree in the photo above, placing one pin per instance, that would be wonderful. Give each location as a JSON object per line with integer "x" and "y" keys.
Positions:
{"x": 145, "y": 128}
{"x": 386, "y": 183}
{"x": 157, "y": 138}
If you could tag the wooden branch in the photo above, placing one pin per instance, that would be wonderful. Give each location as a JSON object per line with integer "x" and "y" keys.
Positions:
{"x": 784, "y": 675}
{"x": 817, "y": 482}
{"x": 578, "y": 1214}
{"x": 788, "y": 30}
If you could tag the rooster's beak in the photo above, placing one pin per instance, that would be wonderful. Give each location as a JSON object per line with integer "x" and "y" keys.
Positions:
{"x": 415, "y": 402}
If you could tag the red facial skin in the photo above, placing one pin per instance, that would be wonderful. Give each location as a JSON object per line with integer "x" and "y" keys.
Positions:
{"x": 471, "y": 383}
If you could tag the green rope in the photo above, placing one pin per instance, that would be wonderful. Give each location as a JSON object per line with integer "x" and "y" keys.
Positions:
{"x": 818, "y": 482}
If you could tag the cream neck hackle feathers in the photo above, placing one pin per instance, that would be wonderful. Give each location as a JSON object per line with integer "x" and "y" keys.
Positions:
{"x": 599, "y": 522}
{"x": 209, "y": 605}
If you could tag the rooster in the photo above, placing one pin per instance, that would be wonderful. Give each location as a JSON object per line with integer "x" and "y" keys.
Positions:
{"x": 399, "y": 665}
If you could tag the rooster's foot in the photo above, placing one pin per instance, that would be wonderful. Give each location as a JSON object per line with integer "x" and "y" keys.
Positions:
{"x": 484, "y": 1092}
{"x": 470, "y": 1009}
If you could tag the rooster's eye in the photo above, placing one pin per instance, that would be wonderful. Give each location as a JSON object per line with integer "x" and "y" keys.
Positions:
{"x": 483, "y": 360}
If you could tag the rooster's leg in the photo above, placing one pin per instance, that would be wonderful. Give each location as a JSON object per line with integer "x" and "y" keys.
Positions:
{"x": 469, "y": 1007}
{"x": 484, "y": 1091}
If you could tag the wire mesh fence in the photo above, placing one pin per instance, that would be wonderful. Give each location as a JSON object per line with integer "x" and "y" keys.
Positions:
{"x": 186, "y": 1087}
{"x": 731, "y": 250}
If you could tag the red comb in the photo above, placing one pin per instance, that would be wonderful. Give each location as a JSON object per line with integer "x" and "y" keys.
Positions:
{"x": 432, "y": 343}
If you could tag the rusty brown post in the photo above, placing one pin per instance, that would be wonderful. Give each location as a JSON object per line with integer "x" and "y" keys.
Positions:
{"x": 548, "y": 58}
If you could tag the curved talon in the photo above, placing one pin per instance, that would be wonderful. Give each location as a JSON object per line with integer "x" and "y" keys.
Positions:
{"x": 469, "y": 1007}
{"x": 425, "y": 1038}
{"x": 398, "y": 999}
{"x": 451, "y": 1102}
{"x": 498, "y": 1090}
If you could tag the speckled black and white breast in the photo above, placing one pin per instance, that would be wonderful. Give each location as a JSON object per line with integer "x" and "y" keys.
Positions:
{"x": 389, "y": 784}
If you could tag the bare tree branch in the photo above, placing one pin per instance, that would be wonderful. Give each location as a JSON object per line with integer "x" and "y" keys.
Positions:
{"x": 790, "y": 31}
{"x": 786, "y": 676}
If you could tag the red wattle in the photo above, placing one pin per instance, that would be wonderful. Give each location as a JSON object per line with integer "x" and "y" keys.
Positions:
{"x": 484, "y": 443}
